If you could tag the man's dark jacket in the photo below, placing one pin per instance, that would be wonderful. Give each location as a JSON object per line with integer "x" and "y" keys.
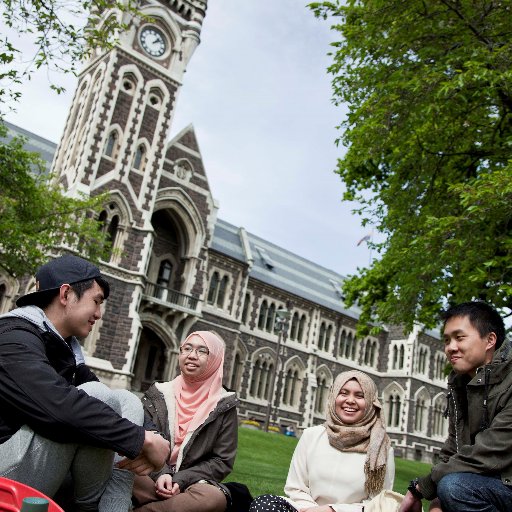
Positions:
{"x": 480, "y": 424}
{"x": 38, "y": 379}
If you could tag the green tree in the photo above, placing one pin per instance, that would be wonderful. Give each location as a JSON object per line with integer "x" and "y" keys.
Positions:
{"x": 61, "y": 33}
{"x": 428, "y": 140}
{"x": 35, "y": 217}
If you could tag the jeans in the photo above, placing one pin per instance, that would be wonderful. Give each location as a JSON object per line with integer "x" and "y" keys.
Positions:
{"x": 468, "y": 492}
{"x": 44, "y": 464}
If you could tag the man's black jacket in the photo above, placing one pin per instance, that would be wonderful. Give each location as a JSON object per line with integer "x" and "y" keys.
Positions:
{"x": 38, "y": 379}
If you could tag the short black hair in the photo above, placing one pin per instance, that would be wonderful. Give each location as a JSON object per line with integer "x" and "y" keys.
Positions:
{"x": 82, "y": 286}
{"x": 79, "y": 288}
{"x": 483, "y": 317}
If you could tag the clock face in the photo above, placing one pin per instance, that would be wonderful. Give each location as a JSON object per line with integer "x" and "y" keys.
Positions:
{"x": 153, "y": 41}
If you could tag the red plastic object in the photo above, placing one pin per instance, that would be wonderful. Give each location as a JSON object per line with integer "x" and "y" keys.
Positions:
{"x": 12, "y": 494}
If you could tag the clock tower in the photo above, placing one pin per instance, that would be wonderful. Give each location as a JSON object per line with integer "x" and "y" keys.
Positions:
{"x": 125, "y": 98}
{"x": 158, "y": 220}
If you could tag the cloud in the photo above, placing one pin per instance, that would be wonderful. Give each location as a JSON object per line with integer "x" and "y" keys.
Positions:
{"x": 259, "y": 97}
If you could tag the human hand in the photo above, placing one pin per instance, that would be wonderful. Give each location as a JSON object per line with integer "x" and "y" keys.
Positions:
{"x": 165, "y": 488}
{"x": 155, "y": 449}
{"x": 410, "y": 504}
{"x": 435, "y": 506}
{"x": 140, "y": 465}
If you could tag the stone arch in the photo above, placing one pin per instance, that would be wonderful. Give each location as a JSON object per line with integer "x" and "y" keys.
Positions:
{"x": 115, "y": 219}
{"x": 262, "y": 368}
{"x": 393, "y": 397}
{"x": 238, "y": 362}
{"x": 292, "y": 379}
{"x": 421, "y": 409}
{"x": 141, "y": 155}
{"x": 157, "y": 86}
{"x": 324, "y": 380}
{"x": 113, "y": 142}
{"x": 115, "y": 196}
{"x": 181, "y": 205}
{"x": 132, "y": 72}
{"x": 439, "y": 428}
{"x": 157, "y": 353}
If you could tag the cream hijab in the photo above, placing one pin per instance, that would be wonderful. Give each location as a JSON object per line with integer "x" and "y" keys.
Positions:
{"x": 366, "y": 436}
{"x": 197, "y": 397}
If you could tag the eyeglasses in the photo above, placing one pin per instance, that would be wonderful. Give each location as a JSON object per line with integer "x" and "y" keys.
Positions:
{"x": 186, "y": 350}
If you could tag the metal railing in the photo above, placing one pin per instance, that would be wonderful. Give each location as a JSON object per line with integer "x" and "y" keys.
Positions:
{"x": 171, "y": 296}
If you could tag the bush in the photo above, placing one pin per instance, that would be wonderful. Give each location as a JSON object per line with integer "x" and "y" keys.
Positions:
{"x": 250, "y": 422}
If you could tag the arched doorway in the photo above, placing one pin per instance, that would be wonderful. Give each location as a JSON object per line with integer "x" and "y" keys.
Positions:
{"x": 151, "y": 361}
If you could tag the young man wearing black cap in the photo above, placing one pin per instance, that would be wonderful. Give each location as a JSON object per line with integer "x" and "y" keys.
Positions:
{"x": 55, "y": 416}
{"x": 474, "y": 472}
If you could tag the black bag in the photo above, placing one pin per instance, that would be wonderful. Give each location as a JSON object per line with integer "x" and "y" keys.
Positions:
{"x": 241, "y": 497}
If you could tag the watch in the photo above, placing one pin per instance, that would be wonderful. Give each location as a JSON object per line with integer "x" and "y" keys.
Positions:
{"x": 153, "y": 41}
{"x": 413, "y": 490}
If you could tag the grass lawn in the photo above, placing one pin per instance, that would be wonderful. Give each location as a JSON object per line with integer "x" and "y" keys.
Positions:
{"x": 263, "y": 459}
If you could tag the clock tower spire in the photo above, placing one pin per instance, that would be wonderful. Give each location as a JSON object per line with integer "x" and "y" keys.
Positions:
{"x": 114, "y": 142}
{"x": 118, "y": 92}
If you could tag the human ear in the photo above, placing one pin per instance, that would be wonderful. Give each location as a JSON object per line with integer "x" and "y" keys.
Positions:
{"x": 491, "y": 340}
{"x": 64, "y": 292}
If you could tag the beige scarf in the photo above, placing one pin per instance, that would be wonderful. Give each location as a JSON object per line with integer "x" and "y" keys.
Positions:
{"x": 366, "y": 436}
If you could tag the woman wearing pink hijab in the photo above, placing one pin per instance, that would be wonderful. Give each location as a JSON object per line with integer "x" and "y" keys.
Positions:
{"x": 199, "y": 418}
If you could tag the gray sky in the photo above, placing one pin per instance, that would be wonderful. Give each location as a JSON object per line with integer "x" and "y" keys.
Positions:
{"x": 259, "y": 97}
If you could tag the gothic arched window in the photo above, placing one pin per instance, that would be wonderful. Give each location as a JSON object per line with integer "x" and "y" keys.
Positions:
{"x": 294, "y": 329}
{"x": 163, "y": 281}
{"x": 214, "y": 286}
{"x": 321, "y": 337}
{"x": 394, "y": 410}
{"x": 217, "y": 290}
{"x": 236, "y": 374}
{"x": 110, "y": 225}
{"x": 291, "y": 385}
{"x": 328, "y": 336}
{"x": 271, "y": 314}
{"x": 262, "y": 317}
{"x": 112, "y": 145}
{"x": 322, "y": 390}
{"x": 222, "y": 291}
{"x": 439, "y": 422}
{"x": 421, "y": 416}
{"x": 440, "y": 364}
{"x": 245, "y": 310}
{"x": 262, "y": 372}
{"x": 401, "y": 357}
{"x": 139, "y": 160}
{"x": 302, "y": 326}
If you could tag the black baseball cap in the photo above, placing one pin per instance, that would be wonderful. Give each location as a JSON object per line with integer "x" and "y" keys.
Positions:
{"x": 67, "y": 269}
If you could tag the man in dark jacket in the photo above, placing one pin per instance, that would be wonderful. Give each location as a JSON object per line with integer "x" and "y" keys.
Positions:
{"x": 56, "y": 418}
{"x": 475, "y": 468}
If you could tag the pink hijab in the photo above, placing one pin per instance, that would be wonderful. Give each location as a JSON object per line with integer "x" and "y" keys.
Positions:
{"x": 197, "y": 397}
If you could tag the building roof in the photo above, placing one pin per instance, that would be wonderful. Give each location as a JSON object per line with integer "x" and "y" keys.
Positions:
{"x": 35, "y": 143}
{"x": 269, "y": 263}
{"x": 282, "y": 269}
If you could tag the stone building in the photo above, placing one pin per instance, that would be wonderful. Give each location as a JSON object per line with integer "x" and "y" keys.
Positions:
{"x": 177, "y": 267}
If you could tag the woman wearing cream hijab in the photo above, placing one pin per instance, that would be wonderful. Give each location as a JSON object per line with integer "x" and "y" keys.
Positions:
{"x": 199, "y": 418}
{"x": 340, "y": 465}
